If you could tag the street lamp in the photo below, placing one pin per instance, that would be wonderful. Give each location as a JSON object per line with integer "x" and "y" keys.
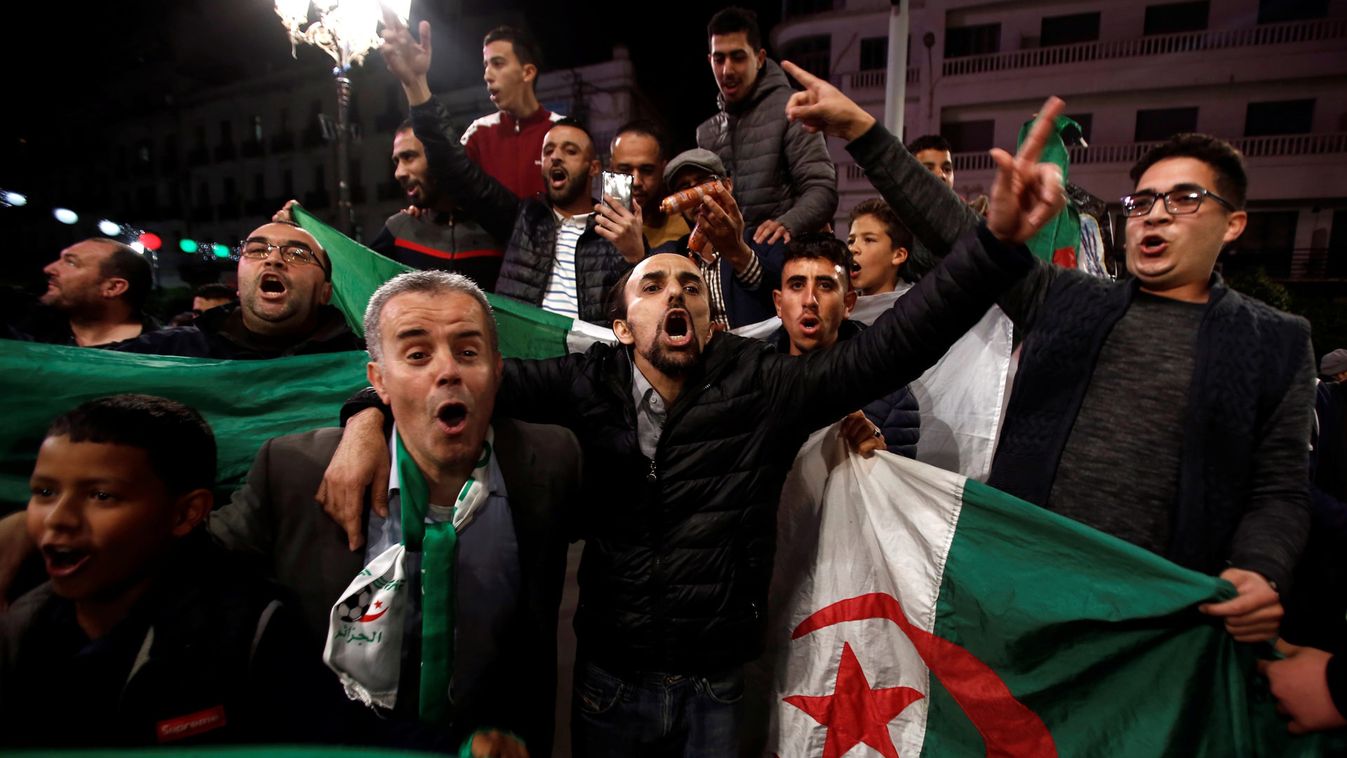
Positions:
{"x": 345, "y": 30}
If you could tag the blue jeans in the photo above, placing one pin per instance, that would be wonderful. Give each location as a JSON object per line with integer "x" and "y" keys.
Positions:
{"x": 654, "y": 715}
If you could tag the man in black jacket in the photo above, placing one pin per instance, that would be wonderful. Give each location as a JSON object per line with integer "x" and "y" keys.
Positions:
{"x": 1205, "y": 464}
{"x": 285, "y": 281}
{"x": 688, "y": 437}
{"x": 562, "y": 252}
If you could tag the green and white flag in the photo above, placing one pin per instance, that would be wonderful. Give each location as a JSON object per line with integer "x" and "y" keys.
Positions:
{"x": 915, "y": 612}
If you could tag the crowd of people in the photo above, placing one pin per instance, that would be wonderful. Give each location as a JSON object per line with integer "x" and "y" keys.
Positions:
{"x": 1162, "y": 408}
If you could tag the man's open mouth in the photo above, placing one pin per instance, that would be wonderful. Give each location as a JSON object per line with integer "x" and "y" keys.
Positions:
{"x": 558, "y": 176}
{"x": 678, "y": 327}
{"x": 271, "y": 284}
{"x": 452, "y": 417}
{"x": 810, "y": 324}
{"x": 1153, "y": 244}
{"x": 63, "y": 561}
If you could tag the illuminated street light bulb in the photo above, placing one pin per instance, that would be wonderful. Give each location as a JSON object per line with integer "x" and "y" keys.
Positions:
{"x": 220, "y": 250}
{"x": 65, "y": 215}
{"x": 13, "y": 199}
{"x": 109, "y": 228}
{"x": 139, "y": 248}
{"x": 187, "y": 246}
{"x": 151, "y": 240}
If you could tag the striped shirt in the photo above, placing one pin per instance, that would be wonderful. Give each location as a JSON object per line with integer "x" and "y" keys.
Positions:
{"x": 561, "y": 295}
{"x": 715, "y": 288}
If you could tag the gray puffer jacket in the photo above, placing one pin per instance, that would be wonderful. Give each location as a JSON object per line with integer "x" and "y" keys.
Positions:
{"x": 780, "y": 171}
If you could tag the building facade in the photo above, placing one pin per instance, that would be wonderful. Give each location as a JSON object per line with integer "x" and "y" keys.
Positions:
{"x": 1268, "y": 75}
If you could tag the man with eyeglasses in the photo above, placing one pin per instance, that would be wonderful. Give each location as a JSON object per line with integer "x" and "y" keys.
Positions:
{"x": 285, "y": 282}
{"x": 1165, "y": 409}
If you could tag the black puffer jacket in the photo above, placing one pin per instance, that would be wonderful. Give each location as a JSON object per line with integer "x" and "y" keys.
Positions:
{"x": 527, "y": 228}
{"x": 679, "y": 550}
{"x": 781, "y": 172}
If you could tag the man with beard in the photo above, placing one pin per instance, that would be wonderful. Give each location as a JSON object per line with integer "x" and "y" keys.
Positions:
{"x": 285, "y": 281}
{"x": 435, "y": 233}
{"x": 690, "y": 434}
{"x": 95, "y": 291}
{"x": 640, "y": 150}
{"x": 784, "y": 179}
{"x": 562, "y": 252}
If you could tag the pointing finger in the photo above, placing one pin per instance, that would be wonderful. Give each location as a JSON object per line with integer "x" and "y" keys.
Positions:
{"x": 1044, "y": 126}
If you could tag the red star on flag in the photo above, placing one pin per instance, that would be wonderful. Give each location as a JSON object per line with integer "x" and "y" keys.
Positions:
{"x": 855, "y": 712}
{"x": 378, "y": 603}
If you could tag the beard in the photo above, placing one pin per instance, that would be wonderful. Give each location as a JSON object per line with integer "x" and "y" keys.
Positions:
{"x": 574, "y": 187}
{"x": 673, "y": 363}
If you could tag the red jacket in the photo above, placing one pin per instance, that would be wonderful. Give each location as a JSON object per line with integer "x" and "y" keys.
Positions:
{"x": 510, "y": 149}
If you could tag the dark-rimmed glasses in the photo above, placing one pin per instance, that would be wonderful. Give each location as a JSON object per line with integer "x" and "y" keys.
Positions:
{"x": 1178, "y": 201}
{"x": 259, "y": 248}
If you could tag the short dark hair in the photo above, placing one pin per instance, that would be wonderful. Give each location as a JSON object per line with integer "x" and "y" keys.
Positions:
{"x": 649, "y": 128}
{"x": 821, "y": 245}
{"x": 525, "y": 49}
{"x": 215, "y": 291}
{"x": 898, "y": 233}
{"x": 575, "y": 123}
{"x": 126, "y": 263}
{"x": 929, "y": 142}
{"x": 1232, "y": 182}
{"x": 617, "y": 297}
{"x": 733, "y": 20}
{"x": 405, "y": 126}
{"x": 175, "y": 438}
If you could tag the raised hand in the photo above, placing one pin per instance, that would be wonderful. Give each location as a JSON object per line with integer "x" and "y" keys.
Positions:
{"x": 622, "y": 226}
{"x": 1026, "y": 194}
{"x": 822, "y": 107}
{"x": 407, "y": 59}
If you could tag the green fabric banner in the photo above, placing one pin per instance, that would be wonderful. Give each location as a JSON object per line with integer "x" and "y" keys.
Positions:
{"x": 1063, "y": 231}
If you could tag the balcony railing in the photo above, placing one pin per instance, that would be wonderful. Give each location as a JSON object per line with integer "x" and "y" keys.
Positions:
{"x": 1282, "y": 145}
{"x": 875, "y": 79}
{"x": 1160, "y": 44}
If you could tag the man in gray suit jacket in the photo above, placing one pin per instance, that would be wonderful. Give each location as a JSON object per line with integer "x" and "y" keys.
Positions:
{"x": 435, "y": 360}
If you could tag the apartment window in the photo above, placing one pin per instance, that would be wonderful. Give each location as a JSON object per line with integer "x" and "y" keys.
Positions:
{"x": 319, "y": 179}
{"x": 811, "y": 54}
{"x": 231, "y": 190}
{"x": 170, "y": 147}
{"x": 970, "y": 136}
{"x": 259, "y": 187}
{"x": 1279, "y": 117}
{"x": 1086, "y": 121}
{"x": 1173, "y": 18}
{"x": 284, "y": 120}
{"x": 257, "y": 128}
{"x": 981, "y": 39}
{"x": 226, "y": 133}
{"x": 1277, "y": 11}
{"x": 1162, "y": 123}
{"x": 874, "y": 53}
{"x": 1268, "y": 240}
{"x": 1069, "y": 30}
{"x": 1337, "y": 246}
{"x": 200, "y": 132}
{"x": 802, "y": 7}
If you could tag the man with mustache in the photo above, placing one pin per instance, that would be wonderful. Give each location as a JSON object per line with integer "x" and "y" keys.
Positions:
{"x": 562, "y": 252}
{"x": 689, "y": 435}
{"x": 285, "y": 282}
{"x": 96, "y": 289}
{"x": 434, "y": 232}
{"x": 784, "y": 180}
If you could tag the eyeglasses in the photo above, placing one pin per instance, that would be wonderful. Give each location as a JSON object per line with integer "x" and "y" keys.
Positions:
{"x": 1179, "y": 202}
{"x": 259, "y": 248}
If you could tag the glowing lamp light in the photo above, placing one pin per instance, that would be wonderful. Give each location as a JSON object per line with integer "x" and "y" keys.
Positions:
{"x": 151, "y": 241}
{"x": 220, "y": 250}
{"x": 65, "y": 215}
{"x": 188, "y": 246}
{"x": 139, "y": 248}
{"x": 13, "y": 199}
{"x": 109, "y": 228}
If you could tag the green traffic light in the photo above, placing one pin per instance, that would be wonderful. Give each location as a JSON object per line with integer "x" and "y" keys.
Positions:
{"x": 220, "y": 250}
{"x": 187, "y": 246}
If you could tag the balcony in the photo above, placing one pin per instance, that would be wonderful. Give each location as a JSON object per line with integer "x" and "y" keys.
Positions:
{"x": 225, "y": 152}
{"x": 1128, "y": 153}
{"x": 282, "y": 143}
{"x": 867, "y": 80}
{"x": 1144, "y": 47}
{"x": 198, "y": 156}
{"x": 313, "y": 136}
{"x": 252, "y": 149}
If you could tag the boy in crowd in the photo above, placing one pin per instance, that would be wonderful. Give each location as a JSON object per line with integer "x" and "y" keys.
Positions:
{"x": 145, "y": 633}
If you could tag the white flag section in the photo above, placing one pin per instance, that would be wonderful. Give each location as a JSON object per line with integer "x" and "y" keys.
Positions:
{"x": 961, "y": 397}
{"x": 838, "y": 555}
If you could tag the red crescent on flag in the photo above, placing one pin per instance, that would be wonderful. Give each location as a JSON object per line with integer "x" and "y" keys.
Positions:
{"x": 371, "y": 617}
{"x": 1008, "y": 728}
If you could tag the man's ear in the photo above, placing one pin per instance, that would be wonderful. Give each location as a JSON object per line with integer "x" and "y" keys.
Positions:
{"x": 530, "y": 72}
{"x": 899, "y": 256}
{"x": 849, "y": 299}
{"x": 325, "y": 294}
{"x": 622, "y": 330}
{"x": 1234, "y": 226}
{"x": 375, "y": 373}
{"x": 762, "y": 58}
{"x": 190, "y": 510}
{"x": 776, "y": 301}
{"x": 114, "y": 287}
{"x": 595, "y": 167}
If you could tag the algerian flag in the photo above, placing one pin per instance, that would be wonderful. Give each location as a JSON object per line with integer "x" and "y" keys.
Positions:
{"x": 1059, "y": 240}
{"x": 915, "y": 612}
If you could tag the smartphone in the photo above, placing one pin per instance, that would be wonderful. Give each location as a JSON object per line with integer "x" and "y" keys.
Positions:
{"x": 618, "y": 186}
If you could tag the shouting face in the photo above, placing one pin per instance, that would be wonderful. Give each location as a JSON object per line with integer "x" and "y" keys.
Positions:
{"x": 410, "y": 169}
{"x": 281, "y": 296}
{"x": 668, "y": 319}
{"x": 812, "y": 303}
{"x": 735, "y": 64}
{"x": 568, "y": 165}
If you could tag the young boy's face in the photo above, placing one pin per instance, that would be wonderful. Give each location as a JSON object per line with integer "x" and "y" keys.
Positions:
{"x": 101, "y": 517}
